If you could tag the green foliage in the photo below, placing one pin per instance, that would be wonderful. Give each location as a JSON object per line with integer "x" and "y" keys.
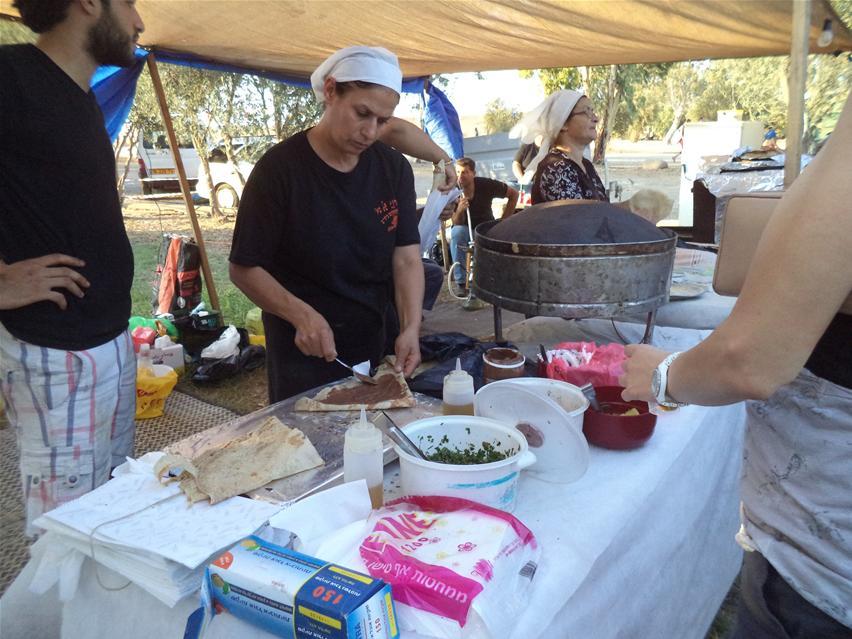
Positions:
{"x": 499, "y": 118}
{"x": 13, "y": 32}
{"x": 146, "y": 247}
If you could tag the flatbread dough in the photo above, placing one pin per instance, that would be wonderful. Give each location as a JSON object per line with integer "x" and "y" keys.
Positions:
{"x": 391, "y": 392}
{"x": 270, "y": 451}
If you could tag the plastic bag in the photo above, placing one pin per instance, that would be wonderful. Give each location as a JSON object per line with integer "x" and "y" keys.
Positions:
{"x": 227, "y": 345}
{"x": 603, "y": 368}
{"x": 152, "y": 389}
{"x": 254, "y": 321}
{"x": 458, "y": 569}
{"x": 446, "y": 347}
{"x": 214, "y": 370}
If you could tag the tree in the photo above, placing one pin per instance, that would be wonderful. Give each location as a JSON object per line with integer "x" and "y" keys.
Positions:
{"x": 193, "y": 100}
{"x": 499, "y": 118}
{"x": 610, "y": 88}
{"x": 682, "y": 84}
{"x": 287, "y": 109}
{"x": 12, "y": 32}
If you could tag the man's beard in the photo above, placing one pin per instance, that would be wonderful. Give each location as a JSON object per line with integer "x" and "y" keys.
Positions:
{"x": 108, "y": 44}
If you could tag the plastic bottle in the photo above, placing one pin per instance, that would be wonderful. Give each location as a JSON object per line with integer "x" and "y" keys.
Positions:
{"x": 363, "y": 457}
{"x": 458, "y": 392}
{"x": 144, "y": 365}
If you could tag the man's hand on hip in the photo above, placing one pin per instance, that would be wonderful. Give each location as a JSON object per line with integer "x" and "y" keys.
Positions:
{"x": 37, "y": 280}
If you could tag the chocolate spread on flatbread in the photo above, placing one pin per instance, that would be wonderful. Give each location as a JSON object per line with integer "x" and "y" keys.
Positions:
{"x": 388, "y": 388}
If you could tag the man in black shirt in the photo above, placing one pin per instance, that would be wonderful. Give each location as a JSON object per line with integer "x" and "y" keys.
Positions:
{"x": 475, "y": 202}
{"x": 66, "y": 266}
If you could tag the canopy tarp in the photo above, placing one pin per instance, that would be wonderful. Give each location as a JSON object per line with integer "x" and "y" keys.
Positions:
{"x": 445, "y": 36}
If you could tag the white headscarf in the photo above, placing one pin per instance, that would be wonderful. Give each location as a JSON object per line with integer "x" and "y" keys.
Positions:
{"x": 545, "y": 120}
{"x": 367, "y": 64}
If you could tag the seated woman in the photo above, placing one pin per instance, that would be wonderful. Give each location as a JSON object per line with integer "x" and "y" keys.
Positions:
{"x": 566, "y": 124}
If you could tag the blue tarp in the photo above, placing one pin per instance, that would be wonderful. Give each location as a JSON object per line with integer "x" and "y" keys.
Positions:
{"x": 441, "y": 122}
{"x": 115, "y": 89}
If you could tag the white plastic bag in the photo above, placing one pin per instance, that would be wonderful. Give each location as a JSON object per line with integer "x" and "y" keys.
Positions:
{"x": 459, "y": 570}
{"x": 228, "y": 344}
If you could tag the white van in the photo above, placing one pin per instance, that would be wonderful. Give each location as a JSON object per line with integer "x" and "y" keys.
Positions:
{"x": 157, "y": 170}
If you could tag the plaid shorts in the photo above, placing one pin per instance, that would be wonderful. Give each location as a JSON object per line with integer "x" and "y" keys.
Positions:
{"x": 73, "y": 414}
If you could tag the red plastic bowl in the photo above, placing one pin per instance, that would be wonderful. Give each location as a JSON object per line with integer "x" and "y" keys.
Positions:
{"x": 617, "y": 431}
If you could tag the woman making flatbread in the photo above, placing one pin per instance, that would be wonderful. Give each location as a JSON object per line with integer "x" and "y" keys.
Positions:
{"x": 326, "y": 222}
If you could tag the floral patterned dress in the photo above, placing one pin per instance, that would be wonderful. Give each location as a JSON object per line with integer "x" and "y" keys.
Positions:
{"x": 558, "y": 177}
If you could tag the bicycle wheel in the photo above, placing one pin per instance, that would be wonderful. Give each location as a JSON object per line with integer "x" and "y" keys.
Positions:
{"x": 458, "y": 290}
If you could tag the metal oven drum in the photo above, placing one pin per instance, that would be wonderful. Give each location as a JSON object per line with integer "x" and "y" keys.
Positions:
{"x": 573, "y": 280}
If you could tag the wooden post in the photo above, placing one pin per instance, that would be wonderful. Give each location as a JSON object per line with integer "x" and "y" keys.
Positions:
{"x": 184, "y": 184}
{"x": 797, "y": 80}
{"x": 445, "y": 247}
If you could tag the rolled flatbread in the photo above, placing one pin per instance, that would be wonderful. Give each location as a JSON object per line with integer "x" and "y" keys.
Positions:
{"x": 391, "y": 392}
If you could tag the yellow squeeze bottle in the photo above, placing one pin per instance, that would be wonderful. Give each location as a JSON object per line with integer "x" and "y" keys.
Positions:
{"x": 458, "y": 392}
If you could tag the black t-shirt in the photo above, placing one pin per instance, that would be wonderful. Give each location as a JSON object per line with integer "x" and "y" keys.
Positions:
{"x": 832, "y": 356}
{"x": 58, "y": 195}
{"x": 328, "y": 237}
{"x": 484, "y": 190}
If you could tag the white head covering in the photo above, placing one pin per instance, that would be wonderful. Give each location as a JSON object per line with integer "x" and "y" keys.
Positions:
{"x": 545, "y": 120}
{"x": 367, "y": 64}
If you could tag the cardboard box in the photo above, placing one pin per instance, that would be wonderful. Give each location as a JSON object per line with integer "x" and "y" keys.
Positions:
{"x": 293, "y": 595}
{"x": 170, "y": 356}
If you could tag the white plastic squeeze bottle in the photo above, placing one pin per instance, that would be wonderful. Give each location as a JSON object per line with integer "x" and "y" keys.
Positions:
{"x": 144, "y": 365}
{"x": 362, "y": 457}
{"x": 458, "y": 392}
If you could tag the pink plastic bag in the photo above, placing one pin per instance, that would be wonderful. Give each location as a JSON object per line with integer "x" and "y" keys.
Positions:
{"x": 603, "y": 369}
{"x": 443, "y": 555}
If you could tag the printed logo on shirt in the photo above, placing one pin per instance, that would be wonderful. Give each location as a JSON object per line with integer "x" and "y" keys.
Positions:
{"x": 388, "y": 213}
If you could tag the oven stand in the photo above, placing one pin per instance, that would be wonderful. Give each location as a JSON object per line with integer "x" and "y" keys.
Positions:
{"x": 646, "y": 338}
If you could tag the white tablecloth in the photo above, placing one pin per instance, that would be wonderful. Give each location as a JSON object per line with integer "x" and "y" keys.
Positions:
{"x": 641, "y": 546}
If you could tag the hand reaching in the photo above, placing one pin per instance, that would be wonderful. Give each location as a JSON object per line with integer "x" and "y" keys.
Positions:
{"x": 36, "y": 280}
{"x": 407, "y": 350}
{"x": 314, "y": 336}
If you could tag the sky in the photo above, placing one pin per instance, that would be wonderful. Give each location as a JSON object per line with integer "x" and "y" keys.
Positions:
{"x": 471, "y": 95}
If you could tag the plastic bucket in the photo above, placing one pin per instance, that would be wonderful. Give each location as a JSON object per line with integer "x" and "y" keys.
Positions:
{"x": 493, "y": 484}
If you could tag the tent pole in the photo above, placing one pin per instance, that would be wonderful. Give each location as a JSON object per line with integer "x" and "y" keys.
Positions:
{"x": 184, "y": 184}
{"x": 797, "y": 83}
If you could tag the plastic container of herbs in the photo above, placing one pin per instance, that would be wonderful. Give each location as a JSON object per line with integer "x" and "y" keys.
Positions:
{"x": 472, "y": 458}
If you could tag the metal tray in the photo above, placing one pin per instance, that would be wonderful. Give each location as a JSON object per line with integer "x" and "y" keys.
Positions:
{"x": 325, "y": 430}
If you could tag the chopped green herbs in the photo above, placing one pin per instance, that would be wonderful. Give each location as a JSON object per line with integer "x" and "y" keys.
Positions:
{"x": 485, "y": 453}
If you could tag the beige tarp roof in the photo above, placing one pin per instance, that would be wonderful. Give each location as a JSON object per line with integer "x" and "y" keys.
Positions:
{"x": 444, "y": 36}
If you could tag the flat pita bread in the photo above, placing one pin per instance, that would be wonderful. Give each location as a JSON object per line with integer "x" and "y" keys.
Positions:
{"x": 270, "y": 451}
{"x": 391, "y": 392}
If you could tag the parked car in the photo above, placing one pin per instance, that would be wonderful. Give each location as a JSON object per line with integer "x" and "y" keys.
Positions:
{"x": 493, "y": 155}
{"x": 157, "y": 171}
{"x": 227, "y": 185}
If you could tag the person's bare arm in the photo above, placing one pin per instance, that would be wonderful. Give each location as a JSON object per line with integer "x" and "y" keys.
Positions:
{"x": 313, "y": 334}
{"x": 517, "y": 170}
{"x": 459, "y": 213}
{"x": 412, "y": 140}
{"x": 799, "y": 278}
{"x": 408, "y": 292}
{"x": 511, "y": 203}
{"x": 37, "y": 280}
